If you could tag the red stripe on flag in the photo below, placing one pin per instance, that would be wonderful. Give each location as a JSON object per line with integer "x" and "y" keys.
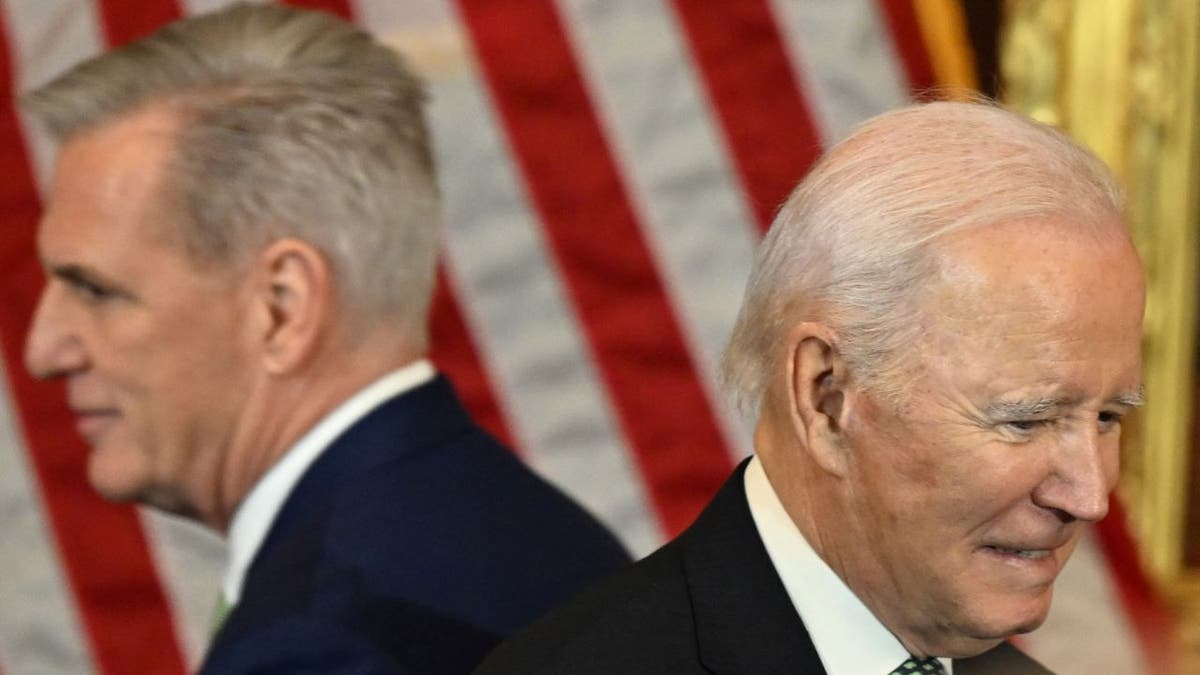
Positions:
{"x": 1153, "y": 624}
{"x": 761, "y": 105}
{"x": 341, "y": 8}
{"x": 454, "y": 352}
{"x": 127, "y": 20}
{"x": 910, "y": 46}
{"x": 610, "y": 274}
{"x": 103, "y": 548}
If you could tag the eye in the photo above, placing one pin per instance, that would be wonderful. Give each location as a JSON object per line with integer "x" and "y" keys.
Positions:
{"x": 1109, "y": 419}
{"x": 91, "y": 292}
{"x": 1023, "y": 427}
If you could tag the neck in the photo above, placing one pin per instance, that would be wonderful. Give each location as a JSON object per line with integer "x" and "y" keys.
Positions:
{"x": 813, "y": 500}
{"x": 285, "y": 407}
{"x": 799, "y": 483}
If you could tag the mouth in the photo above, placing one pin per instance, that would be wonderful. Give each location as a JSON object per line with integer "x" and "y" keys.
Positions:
{"x": 1023, "y": 553}
{"x": 91, "y": 422}
{"x": 1038, "y": 560}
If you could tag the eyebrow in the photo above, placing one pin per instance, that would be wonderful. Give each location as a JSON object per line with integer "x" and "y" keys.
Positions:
{"x": 73, "y": 273}
{"x": 81, "y": 274}
{"x": 1132, "y": 399}
{"x": 1044, "y": 404}
{"x": 1020, "y": 409}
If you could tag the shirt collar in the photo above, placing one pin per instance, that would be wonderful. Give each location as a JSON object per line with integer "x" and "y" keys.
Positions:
{"x": 253, "y": 517}
{"x": 846, "y": 635}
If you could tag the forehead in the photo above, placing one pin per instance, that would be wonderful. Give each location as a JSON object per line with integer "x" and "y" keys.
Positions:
{"x": 1036, "y": 266}
{"x": 108, "y": 185}
{"x": 1036, "y": 299}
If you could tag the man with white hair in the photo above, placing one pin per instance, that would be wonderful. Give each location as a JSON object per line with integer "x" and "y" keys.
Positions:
{"x": 940, "y": 338}
{"x": 240, "y": 243}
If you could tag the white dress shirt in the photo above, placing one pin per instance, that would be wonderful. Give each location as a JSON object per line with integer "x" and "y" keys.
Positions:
{"x": 254, "y": 516}
{"x": 847, "y": 636}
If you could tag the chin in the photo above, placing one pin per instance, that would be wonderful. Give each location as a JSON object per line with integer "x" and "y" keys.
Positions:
{"x": 117, "y": 476}
{"x": 168, "y": 500}
{"x": 977, "y": 635}
{"x": 1014, "y": 617}
{"x": 962, "y": 647}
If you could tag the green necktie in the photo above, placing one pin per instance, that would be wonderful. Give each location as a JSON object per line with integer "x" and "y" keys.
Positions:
{"x": 915, "y": 666}
{"x": 220, "y": 613}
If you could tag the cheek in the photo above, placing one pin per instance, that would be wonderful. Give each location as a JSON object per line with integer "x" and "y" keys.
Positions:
{"x": 126, "y": 347}
{"x": 918, "y": 473}
{"x": 896, "y": 456}
{"x": 1111, "y": 458}
{"x": 937, "y": 485}
{"x": 994, "y": 486}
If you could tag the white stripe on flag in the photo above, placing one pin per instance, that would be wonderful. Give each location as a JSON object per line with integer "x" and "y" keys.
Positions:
{"x": 46, "y": 38}
{"x": 39, "y": 629}
{"x": 842, "y": 53}
{"x": 1087, "y": 630}
{"x": 191, "y": 7}
{"x": 190, "y": 559}
{"x": 682, "y": 186}
{"x": 532, "y": 347}
{"x": 387, "y": 19}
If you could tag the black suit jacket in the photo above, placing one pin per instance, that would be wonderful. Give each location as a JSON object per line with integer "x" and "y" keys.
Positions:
{"x": 413, "y": 544}
{"x": 708, "y": 602}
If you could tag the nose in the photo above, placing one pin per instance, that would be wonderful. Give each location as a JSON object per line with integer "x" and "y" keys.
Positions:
{"x": 52, "y": 348}
{"x": 1083, "y": 473}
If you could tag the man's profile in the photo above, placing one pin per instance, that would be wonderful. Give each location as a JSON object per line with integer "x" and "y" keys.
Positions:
{"x": 240, "y": 243}
{"x": 939, "y": 340}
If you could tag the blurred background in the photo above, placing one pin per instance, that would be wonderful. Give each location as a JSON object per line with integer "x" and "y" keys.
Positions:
{"x": 607, "y": 168}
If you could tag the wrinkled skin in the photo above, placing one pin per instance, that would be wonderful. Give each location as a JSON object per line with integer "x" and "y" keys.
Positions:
{"x": 961, "y": 504}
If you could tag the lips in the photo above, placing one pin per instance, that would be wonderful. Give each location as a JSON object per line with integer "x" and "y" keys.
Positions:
{"x": 91, "y": 422}
{"x": 1033, "y": 555}
{"x": 1047, "y": 542}
{"x": 1027, "y": 553}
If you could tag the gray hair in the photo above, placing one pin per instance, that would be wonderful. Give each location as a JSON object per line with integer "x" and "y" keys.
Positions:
{"x": 853, "y": 243}
{"x": 294, "y": 123}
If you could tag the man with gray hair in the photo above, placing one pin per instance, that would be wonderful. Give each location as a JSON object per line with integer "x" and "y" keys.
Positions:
{"x": 240, "y": 243}
{"x": 939, "y": 339}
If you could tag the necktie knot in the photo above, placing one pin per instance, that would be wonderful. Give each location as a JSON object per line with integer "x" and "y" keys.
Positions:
{"x": 914, "y": 666}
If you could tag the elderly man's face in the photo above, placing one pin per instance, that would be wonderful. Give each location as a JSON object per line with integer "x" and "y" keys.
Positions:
{"x": 147, "y": 341}
{"x": 968, "y": 498}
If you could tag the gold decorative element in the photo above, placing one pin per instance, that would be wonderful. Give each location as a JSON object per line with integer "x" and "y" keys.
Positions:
{"x": 1163, "y": 210}
{"x": 1121, "y": 76}
{"x": 1031, "y": 56}
{"x": 944, "y": 29}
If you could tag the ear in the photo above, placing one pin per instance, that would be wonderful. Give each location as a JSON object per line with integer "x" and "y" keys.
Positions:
{"x": 818, "y": 394}
{"x": 296, "y": 292}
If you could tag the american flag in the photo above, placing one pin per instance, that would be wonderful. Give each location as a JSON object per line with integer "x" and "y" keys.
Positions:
{"x": 607, "y": 167}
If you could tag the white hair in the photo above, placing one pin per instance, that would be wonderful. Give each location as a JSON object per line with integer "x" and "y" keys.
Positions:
{"x": 293, "y": 123}
{"x": 852, "y": 244}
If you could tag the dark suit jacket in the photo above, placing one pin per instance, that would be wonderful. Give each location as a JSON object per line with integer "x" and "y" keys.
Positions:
{"x": 414, "y": 544}
{"x": 708, "y": 602}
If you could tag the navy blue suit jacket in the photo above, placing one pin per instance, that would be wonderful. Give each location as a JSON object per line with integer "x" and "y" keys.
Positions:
{"x": 414, "y": 544}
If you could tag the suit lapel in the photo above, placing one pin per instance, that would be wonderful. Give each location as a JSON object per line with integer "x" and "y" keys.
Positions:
{"x": 405, "y": 424}
{"x": 745, "y": 622}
